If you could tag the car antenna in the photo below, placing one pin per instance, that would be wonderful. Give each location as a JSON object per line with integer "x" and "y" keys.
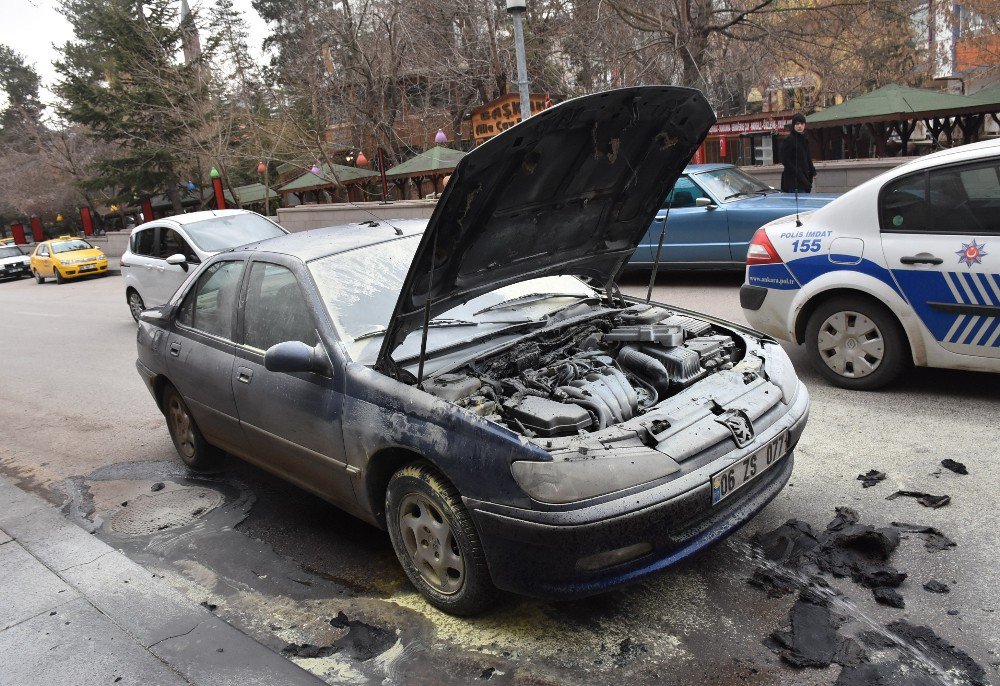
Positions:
{"x": 427, "y": 314}
{"x": 659, "y": 249}
{"x": 795, "y": 161}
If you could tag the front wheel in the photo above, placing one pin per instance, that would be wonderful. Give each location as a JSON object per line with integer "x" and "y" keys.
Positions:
{"x": 187, "y": 437}
{"x": 59, "y": 277}
{"x": 856, "y": 343}
{"x": 436, "y": 543}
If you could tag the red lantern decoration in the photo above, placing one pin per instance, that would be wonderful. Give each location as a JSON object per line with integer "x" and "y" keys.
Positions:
{"x": 261, "y": 168}
{"x": 362, "y": 160}
{"x": 723, "y": 147}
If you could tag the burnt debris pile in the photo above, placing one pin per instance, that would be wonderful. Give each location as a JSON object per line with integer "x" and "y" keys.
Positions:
{"x": 361, "y": 641}
{"x": 796, "y": 558}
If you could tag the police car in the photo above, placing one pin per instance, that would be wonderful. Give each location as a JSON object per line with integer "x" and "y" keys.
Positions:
{"x": 904, "y": 268}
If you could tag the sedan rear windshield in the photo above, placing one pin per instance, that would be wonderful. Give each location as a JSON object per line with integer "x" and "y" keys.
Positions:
{"x": 229, "y": 231}
{"x": 70, "y": 246}
{"x": 10, "y": 252}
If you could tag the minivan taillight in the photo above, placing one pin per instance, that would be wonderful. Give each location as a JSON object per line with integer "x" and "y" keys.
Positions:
{"x": 761, "y": 251}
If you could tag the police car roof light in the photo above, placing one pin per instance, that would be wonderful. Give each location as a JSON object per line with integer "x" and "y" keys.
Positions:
{"x": 761, "y": 251}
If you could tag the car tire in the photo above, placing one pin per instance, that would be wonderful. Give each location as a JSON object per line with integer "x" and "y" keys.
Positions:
{"x": 856, "y": 343}
{"x": 38, "y": 277}
{"x": 191, "y": 445}
{"x": 135, "y": 303}
{"x": 436, "y": 542}
{"x": 59, "y": 277}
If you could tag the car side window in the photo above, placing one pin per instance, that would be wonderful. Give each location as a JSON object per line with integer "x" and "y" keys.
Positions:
{"x": 961, "y": 199}
{"x": 43, "y": 251}
{"x": 276, "y": 310}
{"x": 142, "y": 242}
{"x": 172, "y": 243}
{"x": 683, "y": 194}
{"x": 209, "y": 305}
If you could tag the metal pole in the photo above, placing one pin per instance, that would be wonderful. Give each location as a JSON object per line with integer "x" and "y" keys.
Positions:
{"x": 522, "y": 66}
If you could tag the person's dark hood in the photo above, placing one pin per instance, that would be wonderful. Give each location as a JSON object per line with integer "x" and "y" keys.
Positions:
{"x": 571, "y": 190}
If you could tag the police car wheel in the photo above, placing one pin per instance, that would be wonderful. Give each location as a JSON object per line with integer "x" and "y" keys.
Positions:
{"x": 855, "y": 343}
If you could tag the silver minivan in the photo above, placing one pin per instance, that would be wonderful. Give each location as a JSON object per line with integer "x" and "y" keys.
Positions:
{"x": 160, "y": 253}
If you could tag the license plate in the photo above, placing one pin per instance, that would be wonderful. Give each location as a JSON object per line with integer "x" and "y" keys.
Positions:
{"x": 88, "y": 267}
{"x": 738, "y": 475}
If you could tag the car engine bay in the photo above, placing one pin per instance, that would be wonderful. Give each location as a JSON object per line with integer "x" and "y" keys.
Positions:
{"x": 589, "y": 375}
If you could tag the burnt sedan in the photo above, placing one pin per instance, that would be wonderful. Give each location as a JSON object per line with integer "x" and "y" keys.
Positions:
{"x": 478, "y": 386}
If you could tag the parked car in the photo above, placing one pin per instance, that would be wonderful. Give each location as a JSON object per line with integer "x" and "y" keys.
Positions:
{"x": 511, "y": 425}
{"x": 67, "y": 258}
{"x": 160, "y": 253}
{"x": 899, "y": 270}
{"x": 14, "y": 262}
{"x": 714, "y": 210}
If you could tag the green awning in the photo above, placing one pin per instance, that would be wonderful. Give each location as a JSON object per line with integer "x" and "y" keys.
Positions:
{"x": 329, "y": 175}
{"x": 437, "y": 160}
{"x": 249, "y": 194}
{"x": 987, "y": 96}
{"x": 894, "y": 103}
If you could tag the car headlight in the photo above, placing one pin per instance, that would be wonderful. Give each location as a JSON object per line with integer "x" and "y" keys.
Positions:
{"x": 590, "y": 473}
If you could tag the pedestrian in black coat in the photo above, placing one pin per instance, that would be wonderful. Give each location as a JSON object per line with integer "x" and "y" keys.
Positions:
{"x": 799, "y": 172}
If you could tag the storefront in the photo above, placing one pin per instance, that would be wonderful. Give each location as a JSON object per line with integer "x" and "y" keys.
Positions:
{"x": 744, "y": 140}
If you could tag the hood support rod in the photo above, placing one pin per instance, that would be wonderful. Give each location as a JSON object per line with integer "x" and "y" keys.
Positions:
{"x": 659, "y": 249}
{"x": 427, "y": 313}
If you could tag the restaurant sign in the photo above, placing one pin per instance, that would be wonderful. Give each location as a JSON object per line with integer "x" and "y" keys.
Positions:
{"x": 499, "y": 115}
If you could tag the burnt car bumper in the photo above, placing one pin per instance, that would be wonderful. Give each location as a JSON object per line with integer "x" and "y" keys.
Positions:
{"x": 558, "y": 554}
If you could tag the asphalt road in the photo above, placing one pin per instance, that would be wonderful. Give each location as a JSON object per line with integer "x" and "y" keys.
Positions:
{"x": 78, "y": 427}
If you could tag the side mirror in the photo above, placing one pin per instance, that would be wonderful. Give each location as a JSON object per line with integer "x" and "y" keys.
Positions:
{"x": 706, "y": 203}
{"x": 178, "y": 260}
{"x": 296, "y": 356}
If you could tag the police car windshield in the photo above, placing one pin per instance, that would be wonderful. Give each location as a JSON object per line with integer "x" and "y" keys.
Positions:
{"x": 70, "y": 246}
{"x": 730, "y": 183}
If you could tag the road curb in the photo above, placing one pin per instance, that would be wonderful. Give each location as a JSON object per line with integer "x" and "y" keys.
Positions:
{"x": 157, "y": 619}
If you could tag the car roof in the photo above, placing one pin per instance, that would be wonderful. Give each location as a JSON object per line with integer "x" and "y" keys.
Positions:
{"x": 191, "y": 217}
{"x": 330, "y": 240}
{"x": 698, "y": 168}
{"x": 961, "y": 153}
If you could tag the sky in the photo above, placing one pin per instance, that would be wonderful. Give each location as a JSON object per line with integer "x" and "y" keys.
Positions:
{"x": 32, "y": 27}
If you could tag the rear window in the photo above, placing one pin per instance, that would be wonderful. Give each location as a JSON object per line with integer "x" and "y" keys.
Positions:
{"x": 10, "y": 252}
{"x": 222, "y": 233}
{"x": 70, "y": 246}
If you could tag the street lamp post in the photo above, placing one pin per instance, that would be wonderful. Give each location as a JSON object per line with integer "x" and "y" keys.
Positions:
{"x": 516, "y": 9}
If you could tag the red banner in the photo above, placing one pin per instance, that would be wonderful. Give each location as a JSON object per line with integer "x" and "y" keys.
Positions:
{"x": 723, "y": 147}
{"x": 36, "y": 229}
{"x": 147, "y": 210}
{"x": 220, "y": 195}
{"x": 18, "y": 231}
{"x": 88, "y": 221}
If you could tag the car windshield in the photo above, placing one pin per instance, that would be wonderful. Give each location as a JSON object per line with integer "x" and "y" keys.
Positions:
{"x": 730, "y": 183}
{"x": 229, "y": 231}
{"x": 360, "y": 289}
{"x": 70, "y": 246}
{"x": 10, "y": 252}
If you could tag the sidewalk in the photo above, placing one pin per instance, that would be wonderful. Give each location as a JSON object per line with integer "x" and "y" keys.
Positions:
{"x": 75, "y": 611}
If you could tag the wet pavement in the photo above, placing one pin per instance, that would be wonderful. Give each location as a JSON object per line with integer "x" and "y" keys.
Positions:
{"x": 325, "y": 590}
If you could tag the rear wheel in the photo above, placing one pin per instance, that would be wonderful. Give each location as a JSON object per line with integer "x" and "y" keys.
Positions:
{"x": 135, "y": 304}
{"x": 188, "y": 440}
{"x": 38, "y": 277}
{"x": 856, "y": 343}
{"x": 436, "y": 543}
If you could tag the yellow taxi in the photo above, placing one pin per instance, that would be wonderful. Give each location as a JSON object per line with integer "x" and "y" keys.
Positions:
{"x": 67, "y": 258}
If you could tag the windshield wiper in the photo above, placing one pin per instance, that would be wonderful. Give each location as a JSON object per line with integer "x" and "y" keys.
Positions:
{"x": 531, "y": 297}
{"x": 735, "y": 195}
{"x": 434, "y": 324}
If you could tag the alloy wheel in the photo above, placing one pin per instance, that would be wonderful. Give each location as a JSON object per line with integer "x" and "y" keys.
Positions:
{"x": 181, "y": 426}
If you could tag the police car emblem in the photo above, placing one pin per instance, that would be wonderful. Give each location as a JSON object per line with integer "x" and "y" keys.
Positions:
{"x": 739, "y": 424}
{"x": 971, "y": 253}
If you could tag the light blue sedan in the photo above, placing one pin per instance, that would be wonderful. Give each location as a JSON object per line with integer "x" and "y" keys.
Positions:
{"x": 714, "y": 211}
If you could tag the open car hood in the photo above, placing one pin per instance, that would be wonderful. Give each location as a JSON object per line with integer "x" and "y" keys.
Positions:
{"x": 571, "y": 190}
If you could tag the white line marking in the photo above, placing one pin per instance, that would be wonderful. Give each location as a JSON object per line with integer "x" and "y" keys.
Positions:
{"x": 951, "y": 286}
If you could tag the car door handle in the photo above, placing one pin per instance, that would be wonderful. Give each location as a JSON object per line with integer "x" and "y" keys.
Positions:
{"x": 244, "y": 374}
{"x": 175, "y": 348}
{"x": 921, "y": 258}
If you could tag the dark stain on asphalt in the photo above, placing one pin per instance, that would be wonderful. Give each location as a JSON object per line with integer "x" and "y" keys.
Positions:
{"x": 362, "y": 641}
{"x": 940, "y": 651}
{"x": 925, "y": 499}
{"x": 307, "y": 650}
{"x": 954, "y": 466}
